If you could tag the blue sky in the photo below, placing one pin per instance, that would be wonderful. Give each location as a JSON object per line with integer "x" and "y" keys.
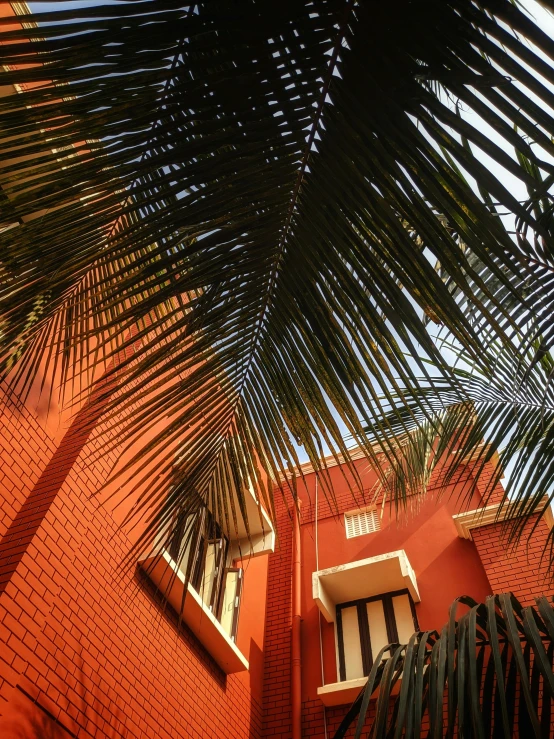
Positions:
{"x": 42, "y": 7}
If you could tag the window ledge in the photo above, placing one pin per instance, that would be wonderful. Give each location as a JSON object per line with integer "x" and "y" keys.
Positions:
{"x": 346, "y": 692}
{"x": 168, "y": 578}
{"x": 339, "y": 694}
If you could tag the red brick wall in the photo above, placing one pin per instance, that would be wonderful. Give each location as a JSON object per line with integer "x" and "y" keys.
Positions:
{"x": 522, "y": 568}
{"x": 87, "y": 639}
{"x": 313, "y": 721}
{"x": 277, "y": 645}
{"x": 25, "y": 449}
{"x": 277, "y": 649}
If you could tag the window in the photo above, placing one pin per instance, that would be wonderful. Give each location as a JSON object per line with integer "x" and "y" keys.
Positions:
{"x": 361, "y": 522}
{"x": 192, "y": 563}
{"x": 365, "y": 626}
{"x": 232, "y": 590}
{"x": 205, "y": 557}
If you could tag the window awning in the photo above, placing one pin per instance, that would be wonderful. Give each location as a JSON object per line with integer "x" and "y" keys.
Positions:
{"x": 260, "y": 528}
{"x": 363, "y": 579}
{"x": 262, "y": 535}
{"x": 256, "y": 538}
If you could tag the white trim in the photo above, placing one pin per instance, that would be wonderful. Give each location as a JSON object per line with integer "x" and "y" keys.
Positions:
{"x": 469, "y": 520}
{"x": 363, "y": 579}
{"x": 342, "y": 693}
{"x": 168, "y": 578}
{"x": 250, "y": 536}
{"x": 358, "y": 453}
{"x": 329, "y": 461}
{"x": 358, "y": 523}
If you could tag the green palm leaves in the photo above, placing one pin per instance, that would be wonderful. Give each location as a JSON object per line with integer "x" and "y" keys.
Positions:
{"x": 509, "y": 408}
{"x": 234, "y": 209}
{"x": 487, "y": 674}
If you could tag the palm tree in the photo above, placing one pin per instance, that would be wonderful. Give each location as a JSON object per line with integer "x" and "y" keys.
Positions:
{"x": 231, "y": 211}
{"x": 478, "y": 412}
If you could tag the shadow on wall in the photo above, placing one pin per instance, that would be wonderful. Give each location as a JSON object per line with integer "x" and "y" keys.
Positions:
{"x": 24, "y": 718}
{"x": 256, "y": 661}
{"x": 166, "y": 619}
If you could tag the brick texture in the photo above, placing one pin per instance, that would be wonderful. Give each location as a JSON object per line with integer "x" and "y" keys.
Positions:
{"x": 344, "y": 499}
{"x": 522, "y": 568}
{"x": 84, "y": 637}
{"x": 277, "y": 646}
{"x": 25, "y": 524}
{"x": 25, "y": 450}
{"x": 314, "y": 720}
{"x": 88, "y": 640}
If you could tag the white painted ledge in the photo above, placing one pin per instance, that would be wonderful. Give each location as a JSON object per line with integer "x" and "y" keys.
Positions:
{"x": 363, "y": 579}
{"x": 340, "y": 694}
{"x": 169, "y": 579}
{"x": 346, "y": 692}
{"x": 469, "y": 520}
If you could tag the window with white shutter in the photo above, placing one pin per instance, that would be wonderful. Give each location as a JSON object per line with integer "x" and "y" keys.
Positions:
{"x": 365, "y": 626}
{"x": 360, "y": 522}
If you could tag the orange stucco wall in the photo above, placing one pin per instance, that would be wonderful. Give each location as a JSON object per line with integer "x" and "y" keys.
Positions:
{"x": 445, "y": 565}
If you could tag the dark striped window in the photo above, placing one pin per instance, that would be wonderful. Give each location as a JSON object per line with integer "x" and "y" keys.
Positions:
{"x": 365, "y": 626}
{"x": 202, "y": 552}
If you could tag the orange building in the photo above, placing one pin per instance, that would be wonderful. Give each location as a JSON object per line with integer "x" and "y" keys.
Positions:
{"x": 278, "y": 630}
{"x": 88, "y": 649}
{"x": 369, "y": 577}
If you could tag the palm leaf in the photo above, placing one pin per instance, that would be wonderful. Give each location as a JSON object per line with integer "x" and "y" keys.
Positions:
{"x": 508, "y": 412}
{"x": 227, "y": 212}
{"x": 479, "y": 660}
{"x": 478, "y": 413}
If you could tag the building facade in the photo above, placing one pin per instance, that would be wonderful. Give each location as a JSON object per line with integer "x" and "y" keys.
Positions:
{"x": 90, "y": 648}
{"x": 277, "y": 630}
{"x": 369, "y": 576}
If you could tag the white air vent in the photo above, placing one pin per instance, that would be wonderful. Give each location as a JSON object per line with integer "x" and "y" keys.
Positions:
{"x": 361, "y": 522}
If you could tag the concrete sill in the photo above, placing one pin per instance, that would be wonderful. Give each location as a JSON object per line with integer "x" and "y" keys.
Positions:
{"x": 469, "y": 520}
{"x": 168, "y": 578}
{"x": 340, "y": 694}
{"x": 346, "y": 692}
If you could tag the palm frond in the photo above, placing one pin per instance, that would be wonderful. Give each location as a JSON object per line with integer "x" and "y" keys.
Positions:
{"x": 480, "y": 412}
{"x": 230, "y": 211}
{"x": 487, "y": 674}
{"x": 504, "y": 417}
